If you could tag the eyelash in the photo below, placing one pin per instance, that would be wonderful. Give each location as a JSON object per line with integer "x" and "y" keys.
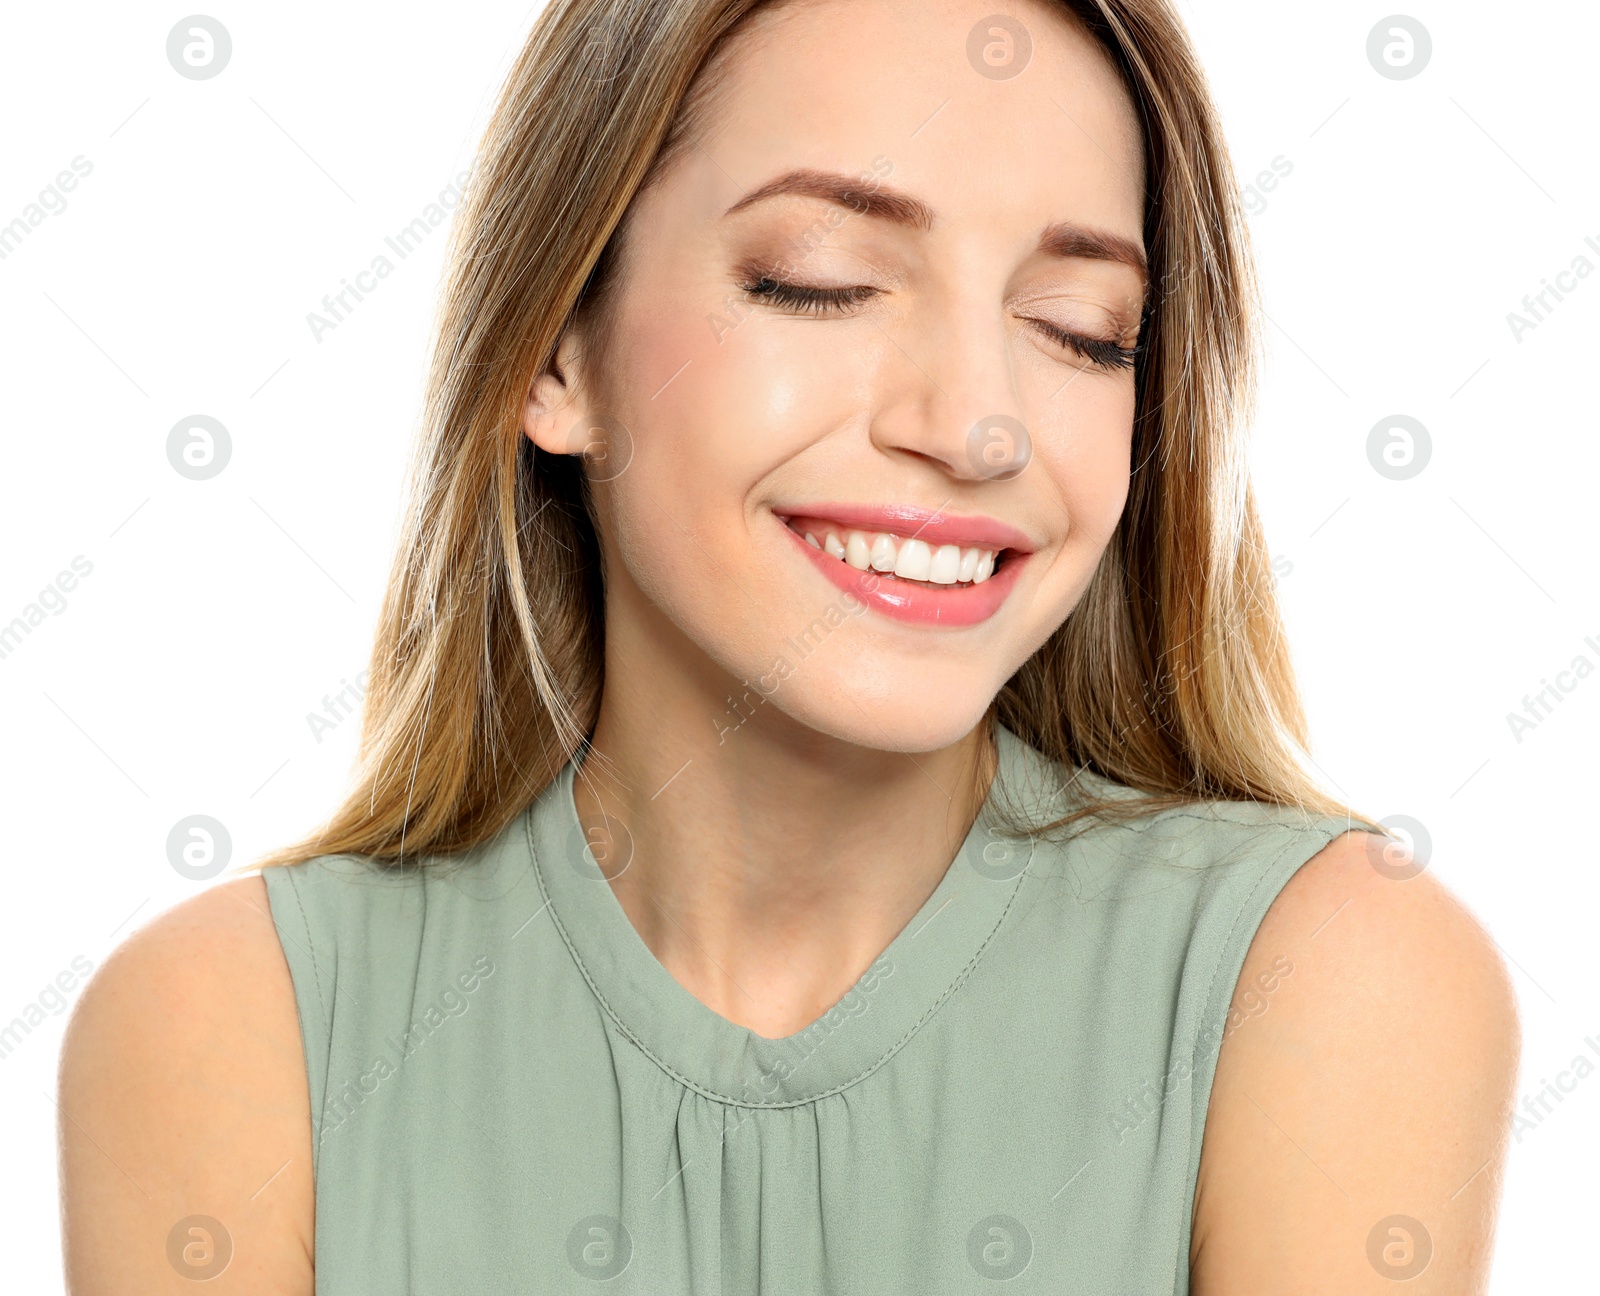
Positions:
{"x": 1103, "y": 354}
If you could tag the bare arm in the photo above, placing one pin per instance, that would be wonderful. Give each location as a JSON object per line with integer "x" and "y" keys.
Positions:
{"x": 185, "y": 1120}
{"x": 1358, "y": 1126}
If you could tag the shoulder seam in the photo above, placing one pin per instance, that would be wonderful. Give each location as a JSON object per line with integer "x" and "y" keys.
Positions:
{"x": 325, "y": 1031}
{"x": 305, "y": 924}
{"x": 1321, "y": 830}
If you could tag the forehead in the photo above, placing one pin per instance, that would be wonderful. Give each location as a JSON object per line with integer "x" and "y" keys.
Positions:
{"x": 987, "y": 119}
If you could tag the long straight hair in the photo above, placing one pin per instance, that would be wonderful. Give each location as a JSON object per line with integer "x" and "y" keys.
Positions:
{"x": 1171, "y": 676}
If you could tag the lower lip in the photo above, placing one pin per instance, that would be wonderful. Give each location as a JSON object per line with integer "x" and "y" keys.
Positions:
{"x": 954, "y": 605}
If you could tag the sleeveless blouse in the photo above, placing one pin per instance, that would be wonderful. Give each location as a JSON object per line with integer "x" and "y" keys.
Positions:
{"x": 510, "y": 1093}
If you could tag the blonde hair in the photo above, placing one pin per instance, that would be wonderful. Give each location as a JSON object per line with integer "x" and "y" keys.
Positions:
{"x": 1171, "y": 676}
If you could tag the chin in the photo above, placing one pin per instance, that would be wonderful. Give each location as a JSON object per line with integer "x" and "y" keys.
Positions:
{"x": 912, "y": 713}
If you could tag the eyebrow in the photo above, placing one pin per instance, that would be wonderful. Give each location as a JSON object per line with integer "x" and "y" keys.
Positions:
{"x": 1064, "y": 239}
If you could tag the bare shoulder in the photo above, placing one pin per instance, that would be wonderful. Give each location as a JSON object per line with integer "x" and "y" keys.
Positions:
{"x": 185, "y": 1119}
{"x": 1359, "y": 1119}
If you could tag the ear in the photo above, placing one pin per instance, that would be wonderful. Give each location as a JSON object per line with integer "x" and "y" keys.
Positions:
{"x": 554, "y": 416}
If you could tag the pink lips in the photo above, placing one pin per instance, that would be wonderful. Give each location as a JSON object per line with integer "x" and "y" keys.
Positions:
{"x": 911, "y": 601}
{"x": 904, "y": 521}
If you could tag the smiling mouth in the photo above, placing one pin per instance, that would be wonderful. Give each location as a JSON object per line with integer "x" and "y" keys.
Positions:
{"x": 901, "y": 558}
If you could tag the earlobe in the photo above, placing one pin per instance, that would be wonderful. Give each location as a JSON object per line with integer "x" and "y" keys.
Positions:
{"x": 552, "y": 413}
{"x": 544, "y": 414}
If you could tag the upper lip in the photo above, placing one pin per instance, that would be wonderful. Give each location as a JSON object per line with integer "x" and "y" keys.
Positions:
{"x": 907, "y": 521}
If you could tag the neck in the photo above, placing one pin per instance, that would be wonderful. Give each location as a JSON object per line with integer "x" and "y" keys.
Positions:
{"x": 766, "y": 865}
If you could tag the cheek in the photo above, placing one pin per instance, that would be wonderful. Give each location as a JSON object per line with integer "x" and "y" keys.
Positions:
{"x": 1088, "y": 456}
{"x": 719, "y": 401}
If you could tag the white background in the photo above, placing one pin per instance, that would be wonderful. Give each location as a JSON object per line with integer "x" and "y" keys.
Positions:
{"x": 178, "y": 678}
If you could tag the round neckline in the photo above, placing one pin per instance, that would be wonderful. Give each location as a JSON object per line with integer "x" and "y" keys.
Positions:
{"x": 900, "y": 991}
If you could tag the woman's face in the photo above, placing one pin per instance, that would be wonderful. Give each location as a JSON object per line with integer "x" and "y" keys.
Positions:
{"x": 882, "y": 302}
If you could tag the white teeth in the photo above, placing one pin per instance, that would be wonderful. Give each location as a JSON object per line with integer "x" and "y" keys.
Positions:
{"x": 945, "y": 565}
{"x": 914, "y": 560}
{"x": 909, "y": 558}
{"x": 857, "y": 552}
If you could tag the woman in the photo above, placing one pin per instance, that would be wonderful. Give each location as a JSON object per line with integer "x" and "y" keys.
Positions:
{"x": 830, "y": 816}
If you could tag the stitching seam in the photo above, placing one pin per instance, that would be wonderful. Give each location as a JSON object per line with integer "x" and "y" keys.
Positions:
{"x": 1296, "y": 842}
{"x": 703, "y": 1090}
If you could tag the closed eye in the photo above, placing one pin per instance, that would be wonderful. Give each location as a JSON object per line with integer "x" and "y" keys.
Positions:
{"x": 805, "y": 298}
{"x": 1099, "y": 352}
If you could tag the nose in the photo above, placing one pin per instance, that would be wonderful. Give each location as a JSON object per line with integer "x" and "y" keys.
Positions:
{"x": 948, "y": 393}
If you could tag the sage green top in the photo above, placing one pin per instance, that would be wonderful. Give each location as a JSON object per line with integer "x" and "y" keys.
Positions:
{"x": 510, "y": 1094}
